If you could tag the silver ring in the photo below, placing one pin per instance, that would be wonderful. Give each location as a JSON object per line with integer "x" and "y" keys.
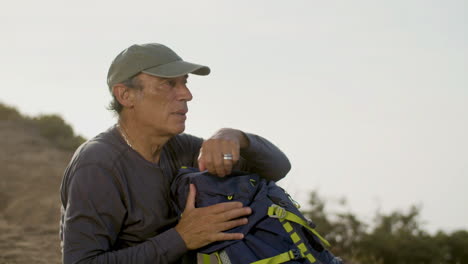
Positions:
{"x": 227, "y": 156}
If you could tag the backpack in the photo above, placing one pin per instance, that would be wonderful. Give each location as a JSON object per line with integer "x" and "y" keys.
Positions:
{"x": 276, "y": 232}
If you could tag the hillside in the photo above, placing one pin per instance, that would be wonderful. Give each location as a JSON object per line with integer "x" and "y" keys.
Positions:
{"x": 36, "y": 150}
{"x": 31, "y": 167}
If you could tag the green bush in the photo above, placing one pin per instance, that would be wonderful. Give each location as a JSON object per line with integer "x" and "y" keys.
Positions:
{"x": 394, "y": 238}
{"x": 54, "y": 129}
{"x": 51, "y": 127}
{"x": 9, "y": 113}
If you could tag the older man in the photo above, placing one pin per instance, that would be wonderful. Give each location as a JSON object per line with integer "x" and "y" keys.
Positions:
{"x": 115, "y": 191}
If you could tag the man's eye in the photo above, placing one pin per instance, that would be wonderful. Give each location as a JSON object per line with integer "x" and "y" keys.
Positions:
{"x": 168, "y": 84}
{"x": 171, "y": 83}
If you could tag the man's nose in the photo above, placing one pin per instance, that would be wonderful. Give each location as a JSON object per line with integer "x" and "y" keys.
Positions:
{"x": 185, "y": 93}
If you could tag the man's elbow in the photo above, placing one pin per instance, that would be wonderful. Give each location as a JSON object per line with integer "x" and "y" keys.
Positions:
{"x": 282, "y": 170}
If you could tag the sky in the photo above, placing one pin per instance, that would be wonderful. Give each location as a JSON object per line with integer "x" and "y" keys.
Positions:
{"x": 368, "y": 98}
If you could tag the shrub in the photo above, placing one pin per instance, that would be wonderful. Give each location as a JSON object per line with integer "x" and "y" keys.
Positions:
{"x": 54, "y": 129}
{"x": 51, "y": 127}
{"x": 9, "y": 113}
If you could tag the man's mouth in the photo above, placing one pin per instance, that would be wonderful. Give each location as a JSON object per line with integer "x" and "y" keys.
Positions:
{"x": 181, "y": 112}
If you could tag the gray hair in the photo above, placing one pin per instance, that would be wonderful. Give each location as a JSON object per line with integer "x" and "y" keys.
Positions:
{"x": 132, "y": 83}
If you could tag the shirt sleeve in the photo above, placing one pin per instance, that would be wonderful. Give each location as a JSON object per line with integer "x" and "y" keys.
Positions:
{"x": 261, "y": 156}
{"x": 264, "y": 158}
{"x": 94, "y": 214}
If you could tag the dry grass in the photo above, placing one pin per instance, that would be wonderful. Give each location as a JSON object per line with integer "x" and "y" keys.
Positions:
{"x": 30, "y": 173}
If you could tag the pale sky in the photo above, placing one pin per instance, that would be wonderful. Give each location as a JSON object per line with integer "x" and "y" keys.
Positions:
{"x": 369, "y": 99}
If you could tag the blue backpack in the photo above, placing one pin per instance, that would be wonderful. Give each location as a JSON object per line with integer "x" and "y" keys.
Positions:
{"x": 276, "y": 231}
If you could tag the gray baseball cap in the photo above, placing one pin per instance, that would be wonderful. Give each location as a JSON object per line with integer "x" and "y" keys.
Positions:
{"x": 152, "y": 58}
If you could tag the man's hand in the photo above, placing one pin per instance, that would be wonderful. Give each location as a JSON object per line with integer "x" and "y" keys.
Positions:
{"x": 199, "y": 227}
{"x": 225, "y": 141}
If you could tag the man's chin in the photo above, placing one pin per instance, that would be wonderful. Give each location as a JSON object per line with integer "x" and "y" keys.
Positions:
{"x": 179, "y": 130}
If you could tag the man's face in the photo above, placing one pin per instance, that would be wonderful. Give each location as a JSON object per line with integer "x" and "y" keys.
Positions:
{"x": 162, "y": 104}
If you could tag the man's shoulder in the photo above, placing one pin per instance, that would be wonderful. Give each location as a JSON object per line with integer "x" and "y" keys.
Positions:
{"x": 103, "y": 149}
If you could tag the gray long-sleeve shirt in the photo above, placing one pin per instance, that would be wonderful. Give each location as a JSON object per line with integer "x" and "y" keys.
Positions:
{"x": 116, "y": 205}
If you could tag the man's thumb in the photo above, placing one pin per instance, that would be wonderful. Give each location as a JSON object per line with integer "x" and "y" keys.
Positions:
{"x": 190, "y": 204}
{"x": 201, "y": 163}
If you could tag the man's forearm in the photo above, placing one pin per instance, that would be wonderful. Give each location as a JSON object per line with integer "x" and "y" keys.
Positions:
{"x": 167, "y": 247}
{"x": 264, "y": 158}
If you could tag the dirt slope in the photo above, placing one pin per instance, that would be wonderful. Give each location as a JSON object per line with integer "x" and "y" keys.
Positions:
{"x": 30, "y": 173}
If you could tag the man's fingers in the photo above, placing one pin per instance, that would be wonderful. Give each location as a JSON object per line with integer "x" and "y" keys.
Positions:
{"x": 228, "y": 236}
{"x": 235, "y": 150}
{"x": 233, "y": 223}
{"x": 226, "y": 163}
{"x": 227, "y": 166}
{"x": 209, "y": 164}
{"x": 201, "y": 226}
{"x": 217, "y": 159}
{"x": 205, "y": 160}
{"x": 222, "y": 207}
{"x": 212, "y": 155}
{"x": 190, "y": 204}
{"x": 233, "y": 214}
{"x": 229, "y": 147}
{"x": 224, "y": 213}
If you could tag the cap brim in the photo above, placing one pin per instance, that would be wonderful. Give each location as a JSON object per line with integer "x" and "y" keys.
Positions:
{"x": 176, "y": 69}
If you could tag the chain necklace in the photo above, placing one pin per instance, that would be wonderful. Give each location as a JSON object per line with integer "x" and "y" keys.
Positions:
{"x": 124, "y": 134}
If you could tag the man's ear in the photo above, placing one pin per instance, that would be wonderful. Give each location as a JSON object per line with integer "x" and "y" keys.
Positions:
{"x": 124, "y": 95}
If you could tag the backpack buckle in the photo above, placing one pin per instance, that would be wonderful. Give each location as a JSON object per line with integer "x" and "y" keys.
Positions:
{"x": 278, "y": 211}
{"x": 295, "y": 254}
{"x": 310, "y": 223}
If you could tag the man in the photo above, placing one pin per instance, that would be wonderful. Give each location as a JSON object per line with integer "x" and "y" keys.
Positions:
{"x": 115, "y": 191}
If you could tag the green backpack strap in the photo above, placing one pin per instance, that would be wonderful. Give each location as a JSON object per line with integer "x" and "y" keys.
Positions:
{"x": 207, "y": 258}
{"x": 279, "y": 212}
{"x": 281, "y": 258}
{"x": 285, "y": 217}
